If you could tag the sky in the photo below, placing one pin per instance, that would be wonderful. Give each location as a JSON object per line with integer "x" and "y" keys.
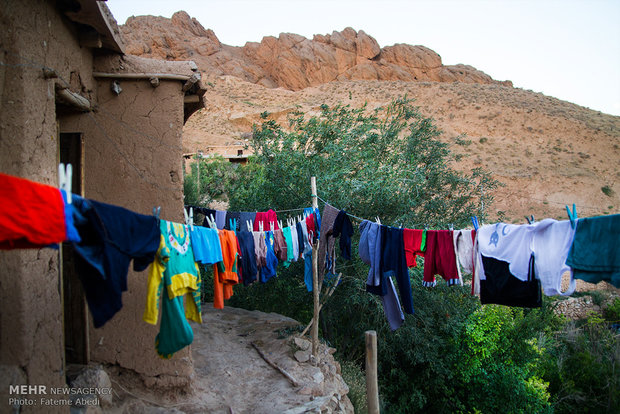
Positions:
{"x": 568, "y": 49}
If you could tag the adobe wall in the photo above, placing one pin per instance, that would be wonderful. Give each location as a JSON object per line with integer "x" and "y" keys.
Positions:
{"x": 31, "y": 334}
{"x": 133, "y": 158}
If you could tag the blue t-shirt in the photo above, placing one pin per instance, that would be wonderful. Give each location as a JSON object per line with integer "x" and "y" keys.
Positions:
{"x": 206, "y": 245}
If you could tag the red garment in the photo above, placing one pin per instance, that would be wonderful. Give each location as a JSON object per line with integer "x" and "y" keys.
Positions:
{"x": 413, "y": 245}
{"x": 32, "y": 215}
{"x": 266, "y": 217}
{"x": 311, "y": 228}
{"x": 440, "y": 258}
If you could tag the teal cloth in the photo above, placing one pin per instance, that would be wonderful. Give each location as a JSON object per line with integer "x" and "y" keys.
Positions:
{"x": 595, "y": 253}
{"x": 175, "y": 333}
{"x": 288, "y": 238}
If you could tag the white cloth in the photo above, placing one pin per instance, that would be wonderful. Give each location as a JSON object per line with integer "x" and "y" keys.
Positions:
{"x": 549, "y": 240}
{"x": 464, "y": 251}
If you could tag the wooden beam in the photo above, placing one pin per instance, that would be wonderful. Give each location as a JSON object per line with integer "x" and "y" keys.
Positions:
{"x": 148, "y": 76}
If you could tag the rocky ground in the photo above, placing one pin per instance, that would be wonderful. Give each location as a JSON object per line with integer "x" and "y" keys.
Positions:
{"x": 231, "y": 376}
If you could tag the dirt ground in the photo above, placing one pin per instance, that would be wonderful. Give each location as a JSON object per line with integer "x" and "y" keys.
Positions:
{"x": 231, "y": 376}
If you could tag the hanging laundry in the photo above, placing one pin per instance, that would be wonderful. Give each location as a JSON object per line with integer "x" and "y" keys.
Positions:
{"x": 464, "y": 250}
{"x": 246, "y": 217}
{"x": 173, "y": 275}
{"x": 220, "y": 219}
{"x": 549, "y": 240}
{"x": 415, "y": 245}
{"x": 287, "y": 233}
{"x": 233, "y": 215}
{"x": 271, "y": 263}
{"x": 248, "y": 256}
{"x": 439, "y": 258}
{"x": 370, "y": 252}
{"x": 111, "y": 237}
{"x": 307, "y": 253}
{"x": 327, "y": 258}
{"x": 208, "y": 212}
{"x": 300, "y": 239}
{"x": 391, "y": 307}
{"x": 266, "y": 218}
{"x": 311, "y": 228}
{"x": 225, "y": 274}
{"x": 595, "y": 252}
{"x": 206, "y": 245}
{"x": 501, "y": 287}
{"x": 279, "y": 245}
{"x": 394, "y": 263}
{"x": 378, "y": 283}
{"x": 344, "y": 229}
{"x": 33, "y": 215}
{"x": 260, "y": 248}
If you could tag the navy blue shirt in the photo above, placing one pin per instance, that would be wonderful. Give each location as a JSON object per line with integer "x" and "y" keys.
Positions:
{"x": 111, "y": 237}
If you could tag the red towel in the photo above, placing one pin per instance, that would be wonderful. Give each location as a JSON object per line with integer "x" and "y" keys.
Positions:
{"x": 31, "y": 214}
{"x": 440, "y": 258}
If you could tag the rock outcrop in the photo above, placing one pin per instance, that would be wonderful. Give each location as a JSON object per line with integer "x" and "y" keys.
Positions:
{"x": 291, "y": 61}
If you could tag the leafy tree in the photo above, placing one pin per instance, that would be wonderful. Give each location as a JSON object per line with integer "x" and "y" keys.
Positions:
{"x": 385, "y": 162}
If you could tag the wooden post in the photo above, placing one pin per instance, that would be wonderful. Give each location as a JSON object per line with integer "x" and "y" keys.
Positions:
{"x": 372, "y": 386}
{"x": 315, "y": 281}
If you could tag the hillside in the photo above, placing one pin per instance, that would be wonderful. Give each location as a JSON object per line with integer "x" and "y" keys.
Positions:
{"x": 546, "y": 152}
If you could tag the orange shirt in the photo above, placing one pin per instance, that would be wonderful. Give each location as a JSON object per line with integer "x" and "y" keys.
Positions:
{"x": 225, "y": 273}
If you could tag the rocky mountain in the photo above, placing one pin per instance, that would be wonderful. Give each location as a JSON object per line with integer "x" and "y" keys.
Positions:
{"x": 291, "y": 61}
{"x": 545, "y": 152}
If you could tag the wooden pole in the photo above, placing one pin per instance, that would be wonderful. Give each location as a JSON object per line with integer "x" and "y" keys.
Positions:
{"x": 372, "y": 386}
{"x": 315, "y": 281}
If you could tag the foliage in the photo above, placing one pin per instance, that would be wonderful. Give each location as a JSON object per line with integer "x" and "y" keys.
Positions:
{"x": 612, "y": 312}
{"x": 451, "y": 355}
{"x": 582, "y": 366}
{"x": 387, "y": 162}
{"x": 207, "y": 181}
{"x": 500, "y": 357}
{"x": 355, "y": 378}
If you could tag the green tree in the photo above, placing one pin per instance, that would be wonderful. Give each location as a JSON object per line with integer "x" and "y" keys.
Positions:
{"x": 385, "y": 162}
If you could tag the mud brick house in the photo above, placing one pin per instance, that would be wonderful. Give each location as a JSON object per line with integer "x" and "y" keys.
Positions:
{"x": 70, "y": 94}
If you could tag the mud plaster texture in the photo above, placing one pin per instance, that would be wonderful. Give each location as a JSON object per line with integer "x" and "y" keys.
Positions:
{"x": 33, "y": 34}
{"x": 133, "y": 158}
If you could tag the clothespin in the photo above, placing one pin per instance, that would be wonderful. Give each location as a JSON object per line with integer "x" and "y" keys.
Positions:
{"x": 211, "y": 221}
{"x": 451, "y": 227}
{"x": 474, "y": 221}
{"x": 65, "y": 179}
{"x": 530, "y": 219}
{"x": 279, "y": 223}
{"x": 378, "y": 220}
{"x": 233, "y": 224}
{"x": 189, "y": 219}
{"x": 250, "y": 225}
{"x": 260, "y": 226}
{"x": 156, "y": 211}
{"x": 572, "y": 216}
{"x": 273, "y": 225}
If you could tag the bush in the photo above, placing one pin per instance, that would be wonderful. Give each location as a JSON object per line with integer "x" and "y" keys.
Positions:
{"x": 582, "y": 366}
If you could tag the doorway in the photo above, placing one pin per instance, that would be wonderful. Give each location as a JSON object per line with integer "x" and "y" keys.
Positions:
{"x": 75, "y": 313}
